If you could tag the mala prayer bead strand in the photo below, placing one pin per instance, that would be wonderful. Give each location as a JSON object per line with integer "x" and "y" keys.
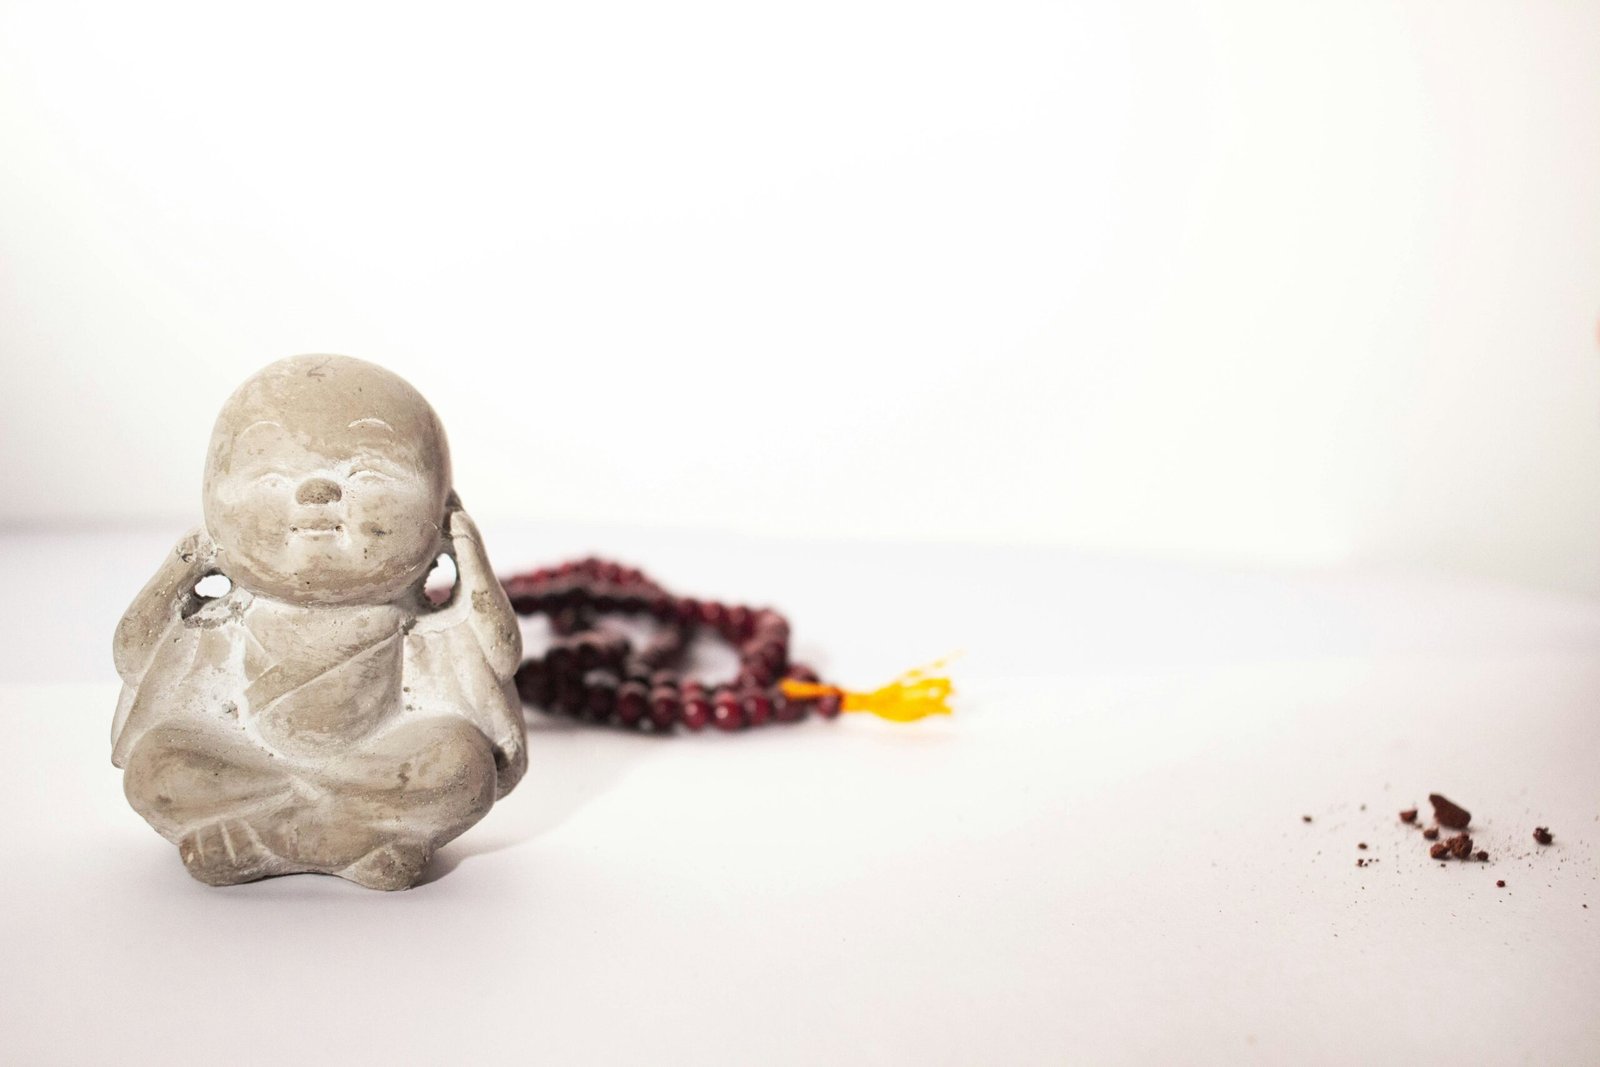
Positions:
{"x": 601, "y": 677}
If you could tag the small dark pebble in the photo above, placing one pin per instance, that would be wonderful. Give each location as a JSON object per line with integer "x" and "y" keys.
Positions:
{"x": 1361, "y": 845}
{"x": 1409, "y": 815}
{"x": 1449, "y": 814}
{"x": 1431, "y": 833}
{"x": 1542, "y": 835}
{"x": 1305, "y": 818}
{"x": 1483, "y": 857}
{"x": 1501, "y": 883}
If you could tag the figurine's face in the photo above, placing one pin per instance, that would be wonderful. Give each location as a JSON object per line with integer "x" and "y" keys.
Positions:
{"x": 326, "y": 483}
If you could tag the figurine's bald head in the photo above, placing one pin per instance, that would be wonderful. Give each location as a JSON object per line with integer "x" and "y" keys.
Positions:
{"x": 326, "y": 482}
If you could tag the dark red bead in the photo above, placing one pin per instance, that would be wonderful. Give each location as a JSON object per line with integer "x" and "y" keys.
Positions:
{"x": 769, "y": 625}
{"x": 633, "y": 703}
{"x": 757, "y": 708}
{"x": 713, "y": 614}
{"x": 740, "y": 622}
{"x": 665, "y": 707}
{"x": 786, "y": 710}
{"x": 696, "y": 712}
{"x": 688, "y": 611}
{"x": 533, "y": 683}
{"x": 828, "y": 706}
{"x": 571, "y": 696}
{"x": 728, "y": 714}
{"x": 802, "y": 673}
{"x": 613, "y": 649}
{"x": 600, "y": 701}
{"x": 561, "y": 660}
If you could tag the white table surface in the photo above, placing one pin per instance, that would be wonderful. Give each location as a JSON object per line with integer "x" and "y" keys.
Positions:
{"x": 1101, "y": 858}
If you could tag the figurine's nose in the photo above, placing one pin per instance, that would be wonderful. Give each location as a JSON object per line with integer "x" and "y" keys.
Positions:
{"x": 317, "y": 491}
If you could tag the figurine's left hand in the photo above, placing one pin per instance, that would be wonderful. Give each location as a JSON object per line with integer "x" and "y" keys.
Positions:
{"x": 466, "y": 545}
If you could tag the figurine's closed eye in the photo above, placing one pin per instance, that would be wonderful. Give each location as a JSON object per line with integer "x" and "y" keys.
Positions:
{"x": 373, "y": 469}
{"x": 271, "y": 476}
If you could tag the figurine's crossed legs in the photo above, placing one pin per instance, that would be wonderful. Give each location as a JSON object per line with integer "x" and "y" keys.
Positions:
{"x": 237, "y": 813}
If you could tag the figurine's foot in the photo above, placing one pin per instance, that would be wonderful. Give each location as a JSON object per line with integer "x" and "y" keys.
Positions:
{"x": 226, "y": 852}
{"x": 396, "y": 865}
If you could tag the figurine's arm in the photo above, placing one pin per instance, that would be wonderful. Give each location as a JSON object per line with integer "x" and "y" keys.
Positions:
{"x": 162, "y": 601}
{"x": 479, "y": 604}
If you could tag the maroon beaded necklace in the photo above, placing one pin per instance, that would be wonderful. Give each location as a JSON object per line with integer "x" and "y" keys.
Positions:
{"x": 599, "y": 675}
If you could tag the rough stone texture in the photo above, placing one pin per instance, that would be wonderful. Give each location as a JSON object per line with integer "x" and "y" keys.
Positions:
{"x": 322, "y": 715}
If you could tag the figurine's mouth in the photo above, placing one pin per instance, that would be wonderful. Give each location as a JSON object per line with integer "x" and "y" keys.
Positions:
{"x": 318, "y": 530}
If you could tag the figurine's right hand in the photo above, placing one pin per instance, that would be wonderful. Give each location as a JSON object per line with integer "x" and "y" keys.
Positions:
{"x": 163, "y": 601}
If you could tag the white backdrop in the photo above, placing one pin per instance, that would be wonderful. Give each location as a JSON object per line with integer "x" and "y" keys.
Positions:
{"x": 1276, "y": 282}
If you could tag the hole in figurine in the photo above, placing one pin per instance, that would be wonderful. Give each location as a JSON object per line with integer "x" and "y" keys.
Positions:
{"x": 441, "y": 581}
{"x": 213, "y": 586}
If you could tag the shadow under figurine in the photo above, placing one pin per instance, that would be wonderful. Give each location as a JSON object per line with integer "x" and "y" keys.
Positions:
{"x": 323, "y": 715}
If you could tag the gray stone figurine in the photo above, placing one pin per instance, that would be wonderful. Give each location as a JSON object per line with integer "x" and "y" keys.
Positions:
{"x": 322, "y": 715}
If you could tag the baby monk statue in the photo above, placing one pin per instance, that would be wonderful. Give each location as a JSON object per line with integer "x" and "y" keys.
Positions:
{"x": 323, "y": 714}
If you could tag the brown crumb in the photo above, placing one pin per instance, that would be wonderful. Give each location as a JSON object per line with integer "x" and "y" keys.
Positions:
{"x": 1449, "y": 814}
{"x": 1483, "y": 857}
{"x": 1431, "y": 833}
{"x": 1361, "y": 845}
{"x": 1409, "y": 815}
{"x": 1305, "y": 818}
{"x": 1458, "y": 847}
{"x": 1501, "y": 883}
{"x": 1543, "y": 835}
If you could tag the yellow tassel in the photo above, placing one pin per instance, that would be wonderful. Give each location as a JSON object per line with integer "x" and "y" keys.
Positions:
{"x": 914, "y": 695}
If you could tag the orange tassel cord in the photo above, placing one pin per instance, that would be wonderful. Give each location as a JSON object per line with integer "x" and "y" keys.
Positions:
{"x": 914, "y": 695}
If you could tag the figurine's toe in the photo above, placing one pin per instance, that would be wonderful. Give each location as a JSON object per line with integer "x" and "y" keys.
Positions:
{"x": 396, "y": 865}
{"x": 225, "y": 852}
